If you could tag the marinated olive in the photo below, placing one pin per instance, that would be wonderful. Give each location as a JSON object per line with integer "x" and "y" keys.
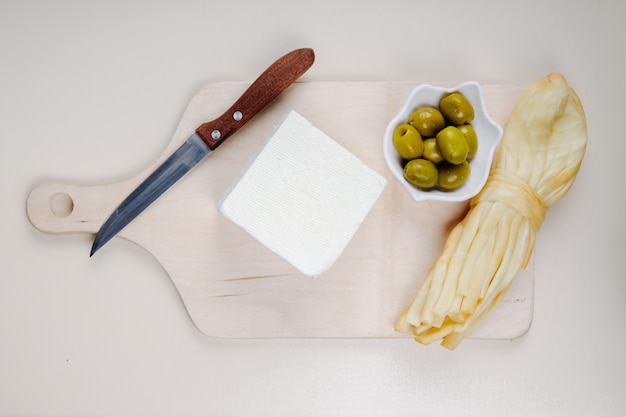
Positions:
{"x": 457, "y": 109}
{"x": 452, "y": 145}
{"x": 408, "y": 142}
{"x": 431, "y": 151}
{"x": 471, "y": 138}
{"x": 428, "y": 121}
{"x": 421, "y": 173}
{"x": 451, "y": 176}
{"x": 438, "y": 143}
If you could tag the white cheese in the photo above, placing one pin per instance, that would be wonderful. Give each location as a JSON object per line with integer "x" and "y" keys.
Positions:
{"x": 303, "y": 195}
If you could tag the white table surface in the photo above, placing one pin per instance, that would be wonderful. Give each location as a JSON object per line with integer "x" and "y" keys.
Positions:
{"x": 90, "y": 93}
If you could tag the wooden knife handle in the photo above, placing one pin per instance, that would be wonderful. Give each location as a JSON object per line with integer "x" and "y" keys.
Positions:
{"x": 273, "y": 81}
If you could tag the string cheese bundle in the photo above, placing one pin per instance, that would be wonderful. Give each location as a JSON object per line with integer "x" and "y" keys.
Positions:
{"x": 535, "y": 165}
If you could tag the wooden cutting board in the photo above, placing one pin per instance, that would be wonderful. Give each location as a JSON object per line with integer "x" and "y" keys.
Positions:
{"x": 231, "y": 285}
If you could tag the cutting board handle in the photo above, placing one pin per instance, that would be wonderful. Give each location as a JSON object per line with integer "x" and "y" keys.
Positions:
{"x": 61, "y": 208}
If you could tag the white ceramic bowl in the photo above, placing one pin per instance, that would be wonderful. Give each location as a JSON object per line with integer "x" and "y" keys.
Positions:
{"x": 488, "y": 131}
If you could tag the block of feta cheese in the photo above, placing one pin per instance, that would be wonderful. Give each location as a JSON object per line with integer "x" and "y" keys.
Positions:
{"x": 302, "y": 195}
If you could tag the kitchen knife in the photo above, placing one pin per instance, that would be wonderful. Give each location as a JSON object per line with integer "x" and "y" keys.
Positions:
{"x": 207, "y": 137}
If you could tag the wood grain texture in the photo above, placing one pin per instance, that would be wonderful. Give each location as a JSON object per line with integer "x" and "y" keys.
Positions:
{"x": 231, "y": 285}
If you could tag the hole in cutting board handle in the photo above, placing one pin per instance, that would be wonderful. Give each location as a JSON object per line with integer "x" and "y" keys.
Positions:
{"x": 61, "y": 205}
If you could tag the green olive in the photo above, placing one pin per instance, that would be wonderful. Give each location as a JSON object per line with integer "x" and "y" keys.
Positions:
{"x": 431, "y": 151}
{"x": 452, "y": 145}
{"x": 451, "y": 176}
{"x": 408, "y": 142}
{"x": 421, "y": 173}
{"x": 471, "y": 138}
{"x": 428, "y": 121}
{"x": 457, "y": 109}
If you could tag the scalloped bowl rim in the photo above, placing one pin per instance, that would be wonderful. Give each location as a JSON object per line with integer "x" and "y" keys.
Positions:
{"x": 488, "y": 131}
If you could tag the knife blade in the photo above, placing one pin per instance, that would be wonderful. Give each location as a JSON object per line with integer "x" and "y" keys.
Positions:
{"x": 206, "y": 138}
